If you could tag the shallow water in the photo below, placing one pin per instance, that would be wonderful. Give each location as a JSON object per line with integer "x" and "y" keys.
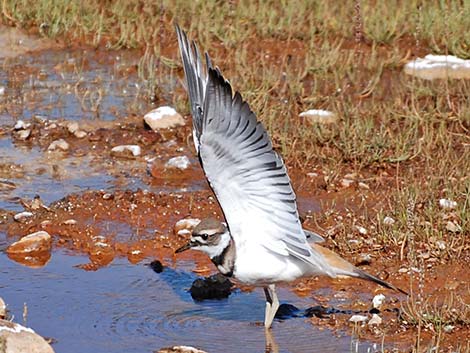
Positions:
{"x": 121, "y": 307}
{"x": 130, "y": 308}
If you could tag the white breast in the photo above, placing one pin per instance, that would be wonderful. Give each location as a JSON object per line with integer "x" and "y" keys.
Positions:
{"x": 256, "y": 265}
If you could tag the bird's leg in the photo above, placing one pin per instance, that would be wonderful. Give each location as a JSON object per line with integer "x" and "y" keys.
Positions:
{"x": 272, "y": 304}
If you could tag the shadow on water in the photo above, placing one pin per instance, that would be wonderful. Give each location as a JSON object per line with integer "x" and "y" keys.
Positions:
{"x": 130, "y": 308}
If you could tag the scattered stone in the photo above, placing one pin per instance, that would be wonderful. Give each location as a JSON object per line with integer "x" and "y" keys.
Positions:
{"x": 157, "y": 266}
{"x": 319, "y": 116}
{"x": 346, "y": 183}
{"x": 70, "y": 222}
{"x": 163, "y": 118}
{"x": 180, "y": 162}
{"x": 80, "y": 134}
{"x": 361, "y": 230}
{"x": 3, "y": 309}
{"x": 364, "y": 259}
{"x": 448, "y": 328}
{"x": 72, "y": 127}
{"x": 23, "y": 134}
{"x": 378, "y": 300}
{"x": 312, "y": 175}
{"x": 60, "y": 144}
{"x": 441, "y": 244}
{"x": 214, "y": 287}
{"x": 15, "y": 338}
{"x": 185, "y": 226}
{"x": 317, "y": 311}
{"x": 447, "y": 204}
{"x": 2, "y": 90}
{"x": 453, "y": 227}
{"x": 439, "y": 66}
{"x": 358, "y": 318}
{"x": 180, "y": 349}
{"x": 363, "y": 185}
{"x": 46, "y": 223}
{"x": 389, "y": 221}
{"x": 22, "y": 217}
{"x": 352, "y": 176}
{"x": 21, "y": 125}
{"x": 126, "y": 151}
{"x": 108, "y": 196}
{"x": 375, "y": 320}
{"x": 403, "y": 270}
{"x": 32, "y": 243}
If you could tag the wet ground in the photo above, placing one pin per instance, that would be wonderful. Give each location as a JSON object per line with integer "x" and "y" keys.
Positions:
{"x": 111, "y": 215}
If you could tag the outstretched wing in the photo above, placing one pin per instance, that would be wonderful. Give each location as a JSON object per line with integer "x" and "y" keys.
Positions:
{"x": 196, "y": 80}
{"x": 247, "y": 176}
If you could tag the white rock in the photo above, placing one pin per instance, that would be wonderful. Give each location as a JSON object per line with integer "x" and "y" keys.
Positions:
{"x": 447, "y": 204}
{"x": 21, "y": 125}
{"x": 319, "y": 116}
{"x": 439, "y": 66}
{"x": 441, "y": 244}
{"x": 23, "y": 134}
{"x": 3, "y": 308}
{"x": 180, "y": 162}
{"x": 346, "y": 183}
{"x": 22, "y": 216}
{"x": 163, "y": 118}
{"x": 32, "y": 243}
{"x": 15, "y": 338}
{"x": 80, "y": 134}
{"x": 375, "y": 320}
{"x": 363, "y": 185}
{"x": 2, "y": 90}
{"x": 72, "y": 127}
{"x": 389, "y": 220}
{"x": 358, "y": 318}
{"x": 378, "y": 300}
{"x": 453, "y": 227}
{"x": 361, "y": 230}
{"x": 59, "y": 144}
{"x": 186, "y": 225}
{"x": 126, "y": 150}
{"x": 448, "y": 328}
{"x": 180, "y": 349}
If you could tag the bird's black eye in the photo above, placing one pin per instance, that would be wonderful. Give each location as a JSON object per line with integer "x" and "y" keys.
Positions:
{"x": 204, "y": 236}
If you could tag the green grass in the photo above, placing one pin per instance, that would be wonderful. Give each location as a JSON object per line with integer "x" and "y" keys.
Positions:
{"x": 286, "y": 57}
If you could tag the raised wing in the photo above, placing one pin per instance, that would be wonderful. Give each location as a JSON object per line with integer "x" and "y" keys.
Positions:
{"x": 196, "y": 80}
{"x": 247, "y": 176}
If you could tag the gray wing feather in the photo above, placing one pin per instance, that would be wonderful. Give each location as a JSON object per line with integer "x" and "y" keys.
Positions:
{"x": 247, "y": 176}
{"x": 196, "y": 80}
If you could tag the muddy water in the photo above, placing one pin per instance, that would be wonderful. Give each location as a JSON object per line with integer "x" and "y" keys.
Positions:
{"x": 123, "y": 306}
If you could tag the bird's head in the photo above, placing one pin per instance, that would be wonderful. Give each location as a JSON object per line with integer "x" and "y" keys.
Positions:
{"x": 210, "y": 236}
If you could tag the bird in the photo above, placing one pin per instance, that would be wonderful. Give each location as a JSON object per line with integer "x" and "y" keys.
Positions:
{"x": 262, "y": 241}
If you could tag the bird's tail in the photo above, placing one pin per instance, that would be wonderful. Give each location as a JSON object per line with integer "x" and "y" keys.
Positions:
{"x": 341, "y": 267}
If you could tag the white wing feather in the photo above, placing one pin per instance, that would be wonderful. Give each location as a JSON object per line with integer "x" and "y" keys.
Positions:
{"x": 247, "y": 176}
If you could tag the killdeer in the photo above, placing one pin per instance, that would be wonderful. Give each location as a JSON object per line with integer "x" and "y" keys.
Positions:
{"x": 263, "y": 242}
